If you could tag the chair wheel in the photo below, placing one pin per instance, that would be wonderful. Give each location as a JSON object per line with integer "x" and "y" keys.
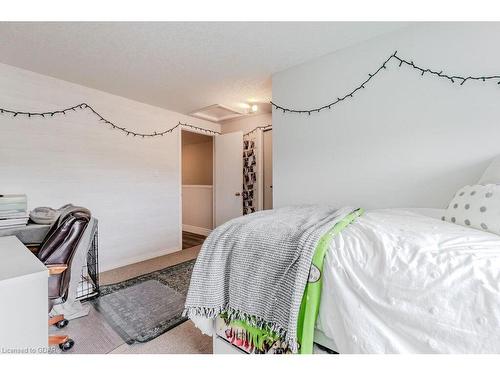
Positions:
{"x": 65, "y": 346}
{"x": 62, "y": 323}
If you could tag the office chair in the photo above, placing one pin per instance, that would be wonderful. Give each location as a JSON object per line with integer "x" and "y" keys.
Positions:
{"x": 56, "y": 252}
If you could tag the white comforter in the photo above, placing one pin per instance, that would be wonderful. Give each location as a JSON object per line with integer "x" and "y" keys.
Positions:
{"x": 400, "y": 282}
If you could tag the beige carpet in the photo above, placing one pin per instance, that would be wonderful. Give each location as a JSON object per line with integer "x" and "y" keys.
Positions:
{"x": 155, "y": 264}
{"x": 93, "y": 335}
{"x": 183, "y": 339}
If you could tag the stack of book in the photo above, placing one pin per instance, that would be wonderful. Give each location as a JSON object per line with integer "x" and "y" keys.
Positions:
{"x": 13, "y": 210}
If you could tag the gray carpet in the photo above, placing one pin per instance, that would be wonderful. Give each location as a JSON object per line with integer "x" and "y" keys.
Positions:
{"x": 142, "y": 308}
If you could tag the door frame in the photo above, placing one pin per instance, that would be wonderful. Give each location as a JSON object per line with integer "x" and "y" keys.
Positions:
{"x": 181, "y": 129}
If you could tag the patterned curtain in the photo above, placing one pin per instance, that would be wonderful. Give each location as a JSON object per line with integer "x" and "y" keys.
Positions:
{"x": 249, "y": 174}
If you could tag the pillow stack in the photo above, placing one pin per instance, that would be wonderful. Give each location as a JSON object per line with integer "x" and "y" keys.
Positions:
{"x": 476, "y": 206}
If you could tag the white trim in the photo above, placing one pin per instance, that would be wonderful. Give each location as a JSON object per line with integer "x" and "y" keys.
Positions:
{"x": 196, "y": 230}
{"x": 179, "y": 155}
{"x": 259, "y": 140}
{"x": 137, "y": 259}
{"x": 213, "y": 181}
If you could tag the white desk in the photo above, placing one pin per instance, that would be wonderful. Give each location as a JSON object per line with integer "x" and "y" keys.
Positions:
{"x": 23, "y": 299}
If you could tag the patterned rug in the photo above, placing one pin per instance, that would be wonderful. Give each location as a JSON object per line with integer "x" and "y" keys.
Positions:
{"x": 143, "y": 308}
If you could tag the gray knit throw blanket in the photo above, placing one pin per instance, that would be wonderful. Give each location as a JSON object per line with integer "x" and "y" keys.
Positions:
{"x": 255, "y": 268}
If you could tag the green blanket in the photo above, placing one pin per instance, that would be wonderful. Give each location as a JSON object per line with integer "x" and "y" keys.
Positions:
{"x": 309, "y": 307}
{"x": 312, "y": 295}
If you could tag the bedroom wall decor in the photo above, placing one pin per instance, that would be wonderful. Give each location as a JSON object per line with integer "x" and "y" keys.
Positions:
{"x": 251, "y": 167}
{"x": 75, "y": 158}
{"x": 103, "y": 120}
{"x": 265, "y": 127}
{"x": 249, "y": 174}
{"x": 84, "y": 106}
{"x": 439, "y": 74}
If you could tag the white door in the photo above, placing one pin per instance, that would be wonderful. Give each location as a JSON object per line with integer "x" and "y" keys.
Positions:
{"x": 268, "y": 169}
{"x": 228, "y": 177}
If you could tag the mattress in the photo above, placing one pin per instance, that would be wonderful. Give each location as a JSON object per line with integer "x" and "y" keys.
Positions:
{"x": 397, "y": 281}
{"x": 326, "y": 339}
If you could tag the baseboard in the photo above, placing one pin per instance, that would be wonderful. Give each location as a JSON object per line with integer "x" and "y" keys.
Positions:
{"x": 197, "y": 230}
{"x": 143, "y": 257}
{"x": 137, "y": 259}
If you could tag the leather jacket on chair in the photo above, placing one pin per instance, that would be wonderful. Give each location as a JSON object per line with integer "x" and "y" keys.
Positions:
{"x": 59, "y": 247}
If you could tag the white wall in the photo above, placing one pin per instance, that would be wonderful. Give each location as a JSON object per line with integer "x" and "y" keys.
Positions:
{"x": 131, "y": 185}
{"x": 405, "y": 140}
{"x": 197, "y": 208}
{"x": 197, "y": 163}
{"x": 246, "y": 123}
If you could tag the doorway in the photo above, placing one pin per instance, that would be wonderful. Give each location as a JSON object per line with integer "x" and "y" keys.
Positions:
{"x": 197, "y": 158}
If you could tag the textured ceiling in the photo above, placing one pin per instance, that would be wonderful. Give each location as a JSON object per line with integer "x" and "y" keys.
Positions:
{"x": 177, "y": 65}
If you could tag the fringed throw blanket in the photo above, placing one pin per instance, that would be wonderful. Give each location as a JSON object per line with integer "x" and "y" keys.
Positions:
{"x": 255, "y": 268}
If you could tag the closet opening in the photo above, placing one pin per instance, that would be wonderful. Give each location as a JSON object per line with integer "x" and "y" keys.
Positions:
{"x": 197, "y": 153}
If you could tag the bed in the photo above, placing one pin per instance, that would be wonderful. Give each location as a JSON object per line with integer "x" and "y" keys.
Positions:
{"x": 402, "y": 282}
{"x": 410, "y": 280}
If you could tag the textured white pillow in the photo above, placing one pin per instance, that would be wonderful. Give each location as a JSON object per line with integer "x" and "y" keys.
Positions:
{"x": 492, "y": 174}
{"x": 476, "y": 206}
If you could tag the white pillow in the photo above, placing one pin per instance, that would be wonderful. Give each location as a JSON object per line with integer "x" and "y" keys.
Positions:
{"x": 492, "y": 174}
{"x": 476, "y": 206}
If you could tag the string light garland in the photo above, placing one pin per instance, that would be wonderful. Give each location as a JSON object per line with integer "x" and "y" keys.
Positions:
{"x": 451, "y": 78}
{"x": 264, "y": 127}
{"x": 104, "y": 121}
{"x": 461, "y": 80}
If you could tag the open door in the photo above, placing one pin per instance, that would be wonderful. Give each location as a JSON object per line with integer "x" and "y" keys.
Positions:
{"x": 267, "y": 153}
{"x": 228, "y": 177}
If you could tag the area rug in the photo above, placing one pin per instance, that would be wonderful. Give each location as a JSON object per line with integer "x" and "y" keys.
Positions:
{"x": 143, "y": 308}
